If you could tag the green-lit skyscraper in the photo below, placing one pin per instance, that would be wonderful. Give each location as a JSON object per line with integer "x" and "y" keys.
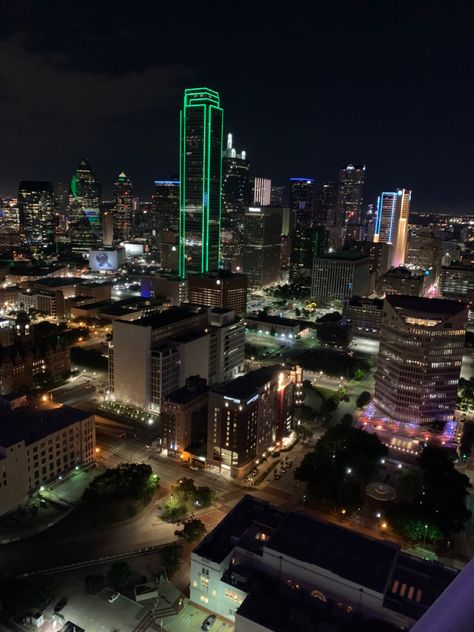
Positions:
{"x": 200, "y": 166}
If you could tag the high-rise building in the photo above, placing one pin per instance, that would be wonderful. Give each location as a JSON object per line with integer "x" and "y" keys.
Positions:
{"x": 277, "y": 195}
{"x": 325, "y": 204}
{"x": 391, "y": 224}
{"x": 424, "y": 251}
{"x": 340, "y": 275}
{"x": 420, "y": 356}
{"x": 36, "y": 211}
{"x": 262, "y": 191}
{"x": 85, "y": 221}
{"x": 250, "y": 414}
{"x": 262, "y": 245}
{"x": 350, "y": 195}
{"x": 236, "y": 196}
{"x": 166, "y": 205}
{"x": 154, "y": 355}
{"x": 302, "y": 200}
{"x": 123, "y": 207}
{"x": 219, "y": 289}
{"x": 301, "y": 237}
{"x": 201, "y": 130}
{"x": 457, "y": 281}
{"x": 400, "y": 281}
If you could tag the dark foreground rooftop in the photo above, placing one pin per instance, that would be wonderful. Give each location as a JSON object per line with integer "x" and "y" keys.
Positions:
{"x": 32, "y": 424}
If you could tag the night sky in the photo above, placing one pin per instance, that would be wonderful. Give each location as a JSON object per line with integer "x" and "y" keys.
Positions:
{"x": 389, "y": 84}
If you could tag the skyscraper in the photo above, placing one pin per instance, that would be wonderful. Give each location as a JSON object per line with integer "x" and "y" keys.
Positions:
{"x": 349, "y": 195}
{"x": 391, "y": 224}
{"x": 166, "y": 205}
{"x": 262, "y": 191}
{"x": 301, "y": 237}
{"x": 235, "y": 200}
{"x": 123, "y": 207}
{"x": 36, "y": 209}
{"x": 200, "y": 166}
{"x": 325, "y": 204}
{"x": 420, "y": 356}
{"x": 262, "y": 245}
{"x": 85, "y": 224}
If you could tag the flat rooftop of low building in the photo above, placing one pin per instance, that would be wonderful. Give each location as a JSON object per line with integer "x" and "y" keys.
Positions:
{"x": 187, "y": 394}
{"x": 345, "y": 255}
{"x": 280, "y": 608}
{"x": 221, "y": 540}
{"x": 246, "y": 385}
{"x": 169, "y": 316}
{"x": 348, "y": 554}
{"x": 357, "y": 301}
{"x": 96, "y": 305}
{"x": 429, "y": 306}
{"x": 275, "y": 320}
{"x": 59, "y": 281}
{"x": 218, "y": 274}
{"x": 32, "y": 424}
{"x": 94, "y": 284}
{"x": 33, "y": 270}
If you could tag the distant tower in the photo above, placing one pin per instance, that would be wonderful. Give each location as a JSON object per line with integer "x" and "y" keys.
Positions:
{"x": 391, "y": 223}
{"x": 350, "y": 195}
{"x": 85, "y": 224}
{"x": 123, "y": 207}
{"x": 235, "y": 201}
{"x": 262, "y": 191}
{"x": 302, "y": 237}
{"x": 200, "y": 165}
{"x": 36, "y": 210}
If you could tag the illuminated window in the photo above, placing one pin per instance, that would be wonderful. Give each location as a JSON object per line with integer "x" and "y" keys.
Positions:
{"x": 204, "y": 599}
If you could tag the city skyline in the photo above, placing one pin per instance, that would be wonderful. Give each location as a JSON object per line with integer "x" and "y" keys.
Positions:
{"x": 140, "y": 130}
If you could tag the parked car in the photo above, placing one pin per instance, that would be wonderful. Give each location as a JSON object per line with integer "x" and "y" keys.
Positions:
{"x": 113, "y": 597}
{"x": 208, "y": 621}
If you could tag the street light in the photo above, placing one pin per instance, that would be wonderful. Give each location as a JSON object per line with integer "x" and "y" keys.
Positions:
{"x": 424, "y": 539}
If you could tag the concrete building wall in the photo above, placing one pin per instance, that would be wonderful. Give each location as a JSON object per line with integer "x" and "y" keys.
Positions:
{"x": 131, "y": 349}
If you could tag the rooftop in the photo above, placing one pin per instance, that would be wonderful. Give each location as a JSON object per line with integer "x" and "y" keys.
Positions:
{"x": 355, "y": 557}
{"x": 59, "y": 281}
{"x": 429, "y": 306}
{"x": 32, "y": 424}
{"x": 220, "y": 542}
{"x": 345, "y": 255}
{"x": 188, "y": 393}
{"x": 246, "y": 385}
{"x": 275, "y": 320}
{"x": 169, "y": 316}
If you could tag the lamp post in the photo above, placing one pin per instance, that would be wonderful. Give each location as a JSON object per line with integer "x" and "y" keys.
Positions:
{"x": 424, "y": 538}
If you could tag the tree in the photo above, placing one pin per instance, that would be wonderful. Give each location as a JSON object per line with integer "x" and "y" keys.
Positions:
{"x": 359, "y": 374}
{"x": 467, "y": 439}
{"x": 192, "y": 530}
{"x": 439, "y": 502}
{"x": 25, "y": 595}
{"x": 328, "y": 407}
{"x": 171, "y": 558}
{"x": 363, "y": 399}
{"x": 186, "y": 489}
{"x": 343, "y": 460}
{"x": 204, "y": 497}
{"x": 347, "y": 419}
{"x": 94, "y": 583}
{"x": 119, "y": 574}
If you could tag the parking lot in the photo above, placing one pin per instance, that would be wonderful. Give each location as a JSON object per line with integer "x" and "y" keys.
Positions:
{"x": 94, "y": 613}
{"x": 191, "y": 619}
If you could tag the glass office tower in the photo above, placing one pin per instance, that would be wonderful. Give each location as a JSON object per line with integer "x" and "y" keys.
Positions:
{"x": 200, "y": 166}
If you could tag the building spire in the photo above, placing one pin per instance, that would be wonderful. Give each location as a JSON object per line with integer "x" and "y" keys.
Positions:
{"x": 229, "y": 141}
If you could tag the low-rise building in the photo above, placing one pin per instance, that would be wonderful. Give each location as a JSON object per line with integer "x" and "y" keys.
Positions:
{"x": 172, "y": 289}
{"x": 97, "y": 291}
{"x": 249, "y": 415}
{"x": 457, "y": 281}
{"x": 38, "y": 445}
{"x": 364, "y": 315}
{"x": 49, "y": 302}
{"x": 400, "y": 281}
{"x": 286, "y": 328}
{"x": 265, "y": 569}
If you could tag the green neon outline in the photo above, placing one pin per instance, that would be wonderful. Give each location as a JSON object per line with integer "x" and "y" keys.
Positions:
{"x": 208, "y": 100}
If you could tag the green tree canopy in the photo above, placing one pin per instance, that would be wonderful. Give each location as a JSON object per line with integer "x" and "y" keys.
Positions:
{"x": 363, "y": 399}
{"x": 119, "y": 574}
